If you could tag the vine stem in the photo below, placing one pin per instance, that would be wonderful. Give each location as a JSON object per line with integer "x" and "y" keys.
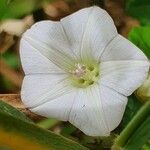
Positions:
{"x": 137, "y": 120}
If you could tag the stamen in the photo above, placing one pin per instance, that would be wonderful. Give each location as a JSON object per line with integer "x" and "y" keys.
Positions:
{"x": 80, "y": 70}
{"x": 84, "y": 75}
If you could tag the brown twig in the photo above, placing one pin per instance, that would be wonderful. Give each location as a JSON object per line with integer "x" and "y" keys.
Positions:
{"x": 6, "y": 41}
{"x": 12, "y": 75}
{"x": 15, "y": 101}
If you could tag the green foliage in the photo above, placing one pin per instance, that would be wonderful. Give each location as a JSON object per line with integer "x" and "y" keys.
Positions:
{"x": 5, "y": 84}
{"x": 5, "y": 108}
{"x": 140, "y": 36}
{"x": 20, "y": 131}
{"x": 140, "y": 137}
{"x": 139, "y": 9}
{"x": 68, "y": 129}
{"x": 132, "y": 107}
{"x": 136, "y": 134}
{"x": 17, "y": 8}
{"x": 146, "y": 146}
{"x": 11, "y": 59}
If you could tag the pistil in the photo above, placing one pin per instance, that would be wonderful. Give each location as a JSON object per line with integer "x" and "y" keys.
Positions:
{"x": 84, "y": 75}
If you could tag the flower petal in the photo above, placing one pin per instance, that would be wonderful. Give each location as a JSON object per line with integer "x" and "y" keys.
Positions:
{"x": 49, "y": 39}
{"x": 89, "y": 31}
{"x": 34, "y": 62}
{"x": 114, "y": 105}
{"x": 97, "y": 110}
{"x": 39, "y": 89}
{"x": 123, "y": 76}
{"x": 87, "y": 113}
{"x": 122, "y": 49}
{"x": 58, "y": 108}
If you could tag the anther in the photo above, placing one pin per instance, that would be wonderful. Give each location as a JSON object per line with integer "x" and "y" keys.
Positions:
{"x": 79, "y": 71}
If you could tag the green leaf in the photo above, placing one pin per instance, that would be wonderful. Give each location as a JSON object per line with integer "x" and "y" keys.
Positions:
{"x": 68, "y": 129}
{"x": 15, "y": 133}
{"x": 17, "y": 8}
{"x": 5, "y": 108}
{"x": 6, "y": 85}
{"x": 140, "y": 37}
{"x": 11, "y": 59}
{"x": 142, "y": 134}
{"x": 136, "y": 134}
{"x": 139, "y": 9}
{"x": 146, "y": 146}
{"x": 133, "y": 106}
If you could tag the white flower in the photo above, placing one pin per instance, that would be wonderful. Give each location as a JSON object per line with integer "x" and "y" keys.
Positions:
{"x": 80, "y": 70}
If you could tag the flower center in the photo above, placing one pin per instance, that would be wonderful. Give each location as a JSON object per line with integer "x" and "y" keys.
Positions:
{"x": 84, "y": 74}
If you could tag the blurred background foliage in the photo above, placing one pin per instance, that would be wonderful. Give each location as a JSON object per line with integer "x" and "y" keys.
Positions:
{"x": 132, "y": 19}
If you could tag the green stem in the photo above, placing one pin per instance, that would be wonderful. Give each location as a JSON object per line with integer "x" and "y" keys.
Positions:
{"x": 131, "y": 127}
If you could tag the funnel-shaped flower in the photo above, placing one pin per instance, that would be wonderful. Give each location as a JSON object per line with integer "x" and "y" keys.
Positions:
{"x": 80, "y": 70}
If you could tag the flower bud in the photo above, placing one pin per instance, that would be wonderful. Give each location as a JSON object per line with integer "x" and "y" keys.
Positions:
{"x": 143, "y": 91}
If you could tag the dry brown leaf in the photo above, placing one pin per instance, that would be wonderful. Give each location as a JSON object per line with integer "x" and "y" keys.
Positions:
{"x": 16, "y": 26}
{"x": 129, "y": 23}
{"x": 56, "y": 10}
{"x": 123, "y": 22}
